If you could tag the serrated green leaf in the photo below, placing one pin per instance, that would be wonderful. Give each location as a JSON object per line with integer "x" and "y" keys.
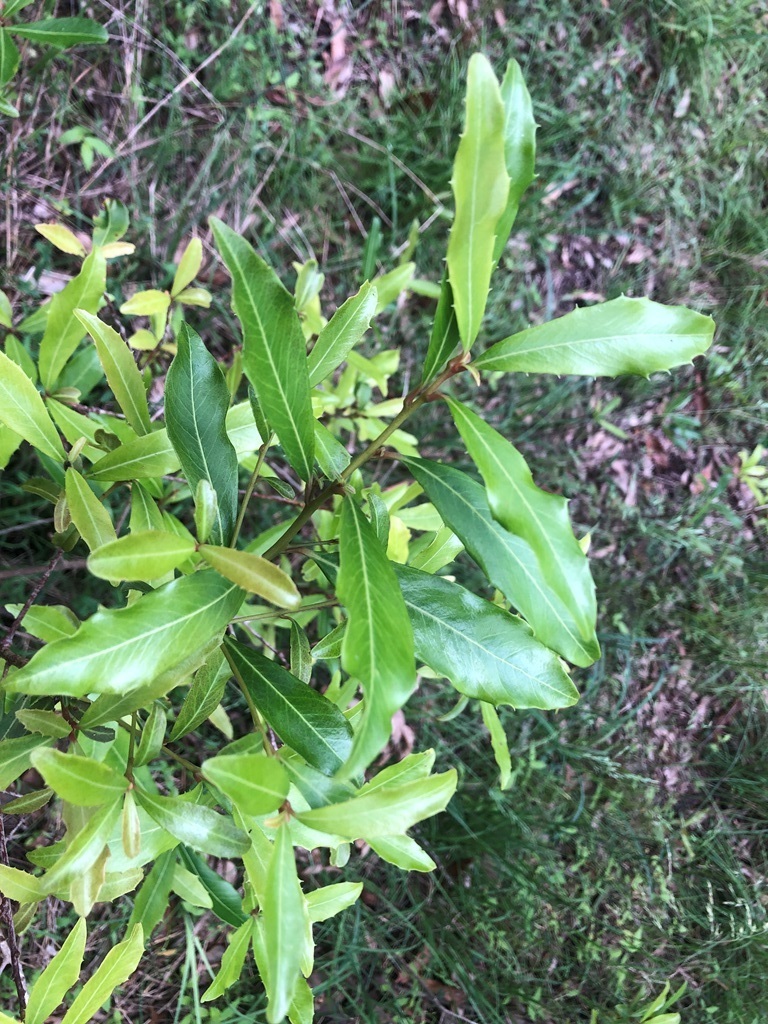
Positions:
{"x": 47, "y": 723}
{"x": 302, "y": 717}
{"x": 81, "y": 781}
{"x": 116, "y": 967}
{"x": 498, "y": 742}
{"x": 231, "y": 962}
{"x": 480, "y": 184}
{"x": 199, "y": 827}
{"x": 616, "y": 337}
{"x": 140, "y": 556}
{"x": 402, "y": 851}
{"x": 15, "y": 755}
{"x": 254, "y": 574}
{"x": 539, "y": 518}
{"x": 342, "y": 332}
{"x": 22, "y": 410}
{"x": 63, "y": 331}
{"x": 386, "y": 669}
{"x": 121, "y": 371}
{"x": 225, "y": 899}
{"x": 508, "y": 561}
{"x": 20, "y": 885}
{"x": 89, "y": 515}
{"x": 412, "y": 766}
{"x": 255, "y": 783}
{"x": 285, "y": 920}
{"x": 484, "y": 651}
{"x": 189, "y": 266}
{"x": 151, "y": 901}
{"x": 519, "y": 148}
{"x": 18, "y": 353}
{"x": 145, "y": 458}
{"x": 329, "y": 901}
{"x": 59, "y": 977}
{"x": 117, "y": 651}
{"x": 274, "y": 352}
{"x": 386, "y": 811}
{"x": 62, "y": 32}
{"x": 196, "y": 404}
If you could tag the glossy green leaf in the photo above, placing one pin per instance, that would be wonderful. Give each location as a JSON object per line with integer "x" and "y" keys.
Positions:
{"x": 20, "y": 885}
{"x": 342, "y": 332}
{"x": 332, "y": 457}
{"x": 152, "y": 736}
{"x": 330, "y": 646}
{"x": 63, "y": 331}
{"x": 302, "y": 717}
{"x": 145, "y": 515}
{"x": 255, "y": 783}
{"x": 508, "y": 561}
{"x": 117, "y": 651}
{"x": 389, "y": 810}
{"x": 539, "y": 518}
{"x": 204, "y": 695}
{"x": 412, "y": 766}
{"x": 232, "y": 962}
{"x": 378, "y": 643}
{"x": 84, "y": 848}
{"x": 329, "y": 901}
{"x": 199, "y": 827}
{"x": 301, "y": 655}
{"x": 9, "y": 61}
{"x": 196, "y": 404}
{"x": 145, "y": 458}
{"x": 81, "y": 781}
{"x": 188, "y": 887}
{"x": 59, "y": 977}
{"x": 519, "y": 148}
{"x": 444, "y": 339}
{"x": 254, "y": 574}
{"x": 89, "y": 515}
{"x": 116, "y": 967}
{"x": 121, "y": 371}
{"x": 15, "y": 755}
{"x": 225, "y": 899}
{"x": 484, "y": 651}
{"x": 151, "y": 901}
{"x": 316, "y": 788}
{"x": 189, "y": 266}
{"x": 498, "y": 742}
{"x": 206, "y": 509}
{"x": 480, "y": 184}
{"x": 47, "y": 723}
{"x": 61, "y": 32}
{"x": 22, "y": 410}
{"x": 284, "y": 916}
{"x": 402, "y": 851}
{"x": 140, "y": 556}
{"x": 274, "y": 352}
{"x": 616, "y": 337}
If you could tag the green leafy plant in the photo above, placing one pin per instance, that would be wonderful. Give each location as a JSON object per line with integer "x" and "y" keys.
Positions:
{"x": 57, "y": 33}
{"x": 343, "y": 593}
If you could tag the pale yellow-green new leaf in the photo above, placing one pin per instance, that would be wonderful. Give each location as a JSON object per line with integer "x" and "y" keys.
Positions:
{"x": 140, "y": 556}
{"x": 480, "y": 186}
{"x": 63, "y": 331}
{"x": 81, "y": 781}
{"x": 88, "y": 514}
{"x": 59, "y": 977}
{"x": 22, "y": 410}
{"x": 116, "y": 967}
{"x": 148, "y": 303}
{"x": 188, "y": 268}
{"x": 62, "y": 238}
{"x": 20, "y": 885}
{"x": 254, "y": 574}
{"x": 121, "y": 371}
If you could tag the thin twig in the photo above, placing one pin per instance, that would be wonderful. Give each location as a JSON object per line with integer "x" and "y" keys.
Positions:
{"x": 34, "y": 594}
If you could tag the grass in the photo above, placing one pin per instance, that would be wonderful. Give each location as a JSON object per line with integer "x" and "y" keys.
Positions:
{"x": 631, "y": 847}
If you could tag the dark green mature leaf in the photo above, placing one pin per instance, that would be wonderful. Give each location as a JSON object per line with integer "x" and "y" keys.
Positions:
{"x": 199, "y": 827}
{"x": 519, "y": 148}
{"x": 620, "y": 336}
{"x": 9, "y": 61}
{"x": 59, "y": 977}
{"x": 525, "y": 510}
{"x": 480, "y": 184}
{"x": 386, "y": 811}
{"x": 508, "y": 561}
{"x": 116, "y": 651}
{"x": 145, "y": 458}
{"x": 120, "y": 369}
{"x": 62, "y": 31}
{"x": 342, "y": 332}
{"x": 63, "y": 331}
{"x": 274, "y": 350}
{"x": 302, "y": 717}
{"x": 484, "y": 651}
{"x": 22, "y": 410}
{"x": 445, "y": 333}
{"x": 378, "y": 643}
{"x": 227, "y": 904}
{"x": 196, "y": 404}
{"x": 285, "y": 921}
